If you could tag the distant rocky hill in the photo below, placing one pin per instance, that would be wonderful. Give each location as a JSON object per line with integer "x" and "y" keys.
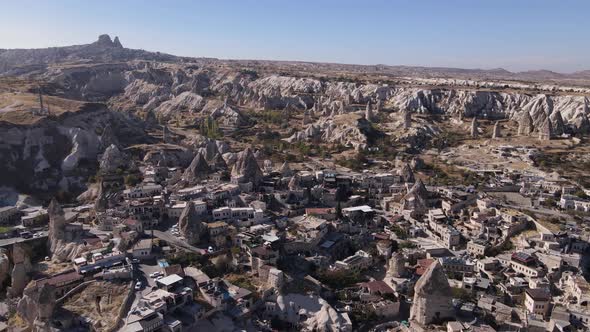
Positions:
{"x": 136, "y": 89}
{"x": 20, "y": 61}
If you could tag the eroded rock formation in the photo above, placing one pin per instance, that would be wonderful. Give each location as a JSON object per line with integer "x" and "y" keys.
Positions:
{"x": 432, "y": 297}
{"x": 190, "y": 224}
{"x": 397, "y": 265}
{"x": 198, "y": 170}
{"x": 64, "y": 241}
{"x": 246, "y": 167}
{"x": 21, "y": 267}
{"x": 37, "y": 305}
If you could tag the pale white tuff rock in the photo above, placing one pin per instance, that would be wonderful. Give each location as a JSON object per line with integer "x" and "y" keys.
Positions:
{"x": 432, "y": 297}
{"x": 190, "y": 224}
{"x": 247, "y": 167}
{"x": 397, "y": 265}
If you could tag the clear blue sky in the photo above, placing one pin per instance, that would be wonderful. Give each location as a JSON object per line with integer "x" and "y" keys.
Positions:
{"x": 513, "y": 34}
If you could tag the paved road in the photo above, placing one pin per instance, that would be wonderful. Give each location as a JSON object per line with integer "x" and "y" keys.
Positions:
{"x": 175, "y": 241}
{"x": 142, "y": 273}
{"x": 13, "y": 240}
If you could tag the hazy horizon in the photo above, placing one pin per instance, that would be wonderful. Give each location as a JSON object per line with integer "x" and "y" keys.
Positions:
{"x": 516, "y": 36}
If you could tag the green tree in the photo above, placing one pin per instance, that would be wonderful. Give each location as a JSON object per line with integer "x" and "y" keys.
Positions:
{"x": 210, "y": 128}
{"x": 132, "y": 180}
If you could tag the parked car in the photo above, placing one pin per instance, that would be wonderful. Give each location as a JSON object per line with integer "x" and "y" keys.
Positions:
{"x": 138, "y": 285}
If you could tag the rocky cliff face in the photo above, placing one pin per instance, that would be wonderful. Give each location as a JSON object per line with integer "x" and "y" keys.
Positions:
{"x": 171, "y": 88}
{"x": 59, "y": 153}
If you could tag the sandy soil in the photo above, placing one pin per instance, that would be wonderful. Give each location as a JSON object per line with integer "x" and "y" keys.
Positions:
{"x": 100, "y": 302}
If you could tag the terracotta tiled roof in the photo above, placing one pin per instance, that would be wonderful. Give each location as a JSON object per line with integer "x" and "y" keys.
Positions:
{"x": 378, "y": 287}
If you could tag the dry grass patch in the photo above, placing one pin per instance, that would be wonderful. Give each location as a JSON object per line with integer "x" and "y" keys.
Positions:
{"x": 100, "y": 301}
{"x": 16, "y": 107}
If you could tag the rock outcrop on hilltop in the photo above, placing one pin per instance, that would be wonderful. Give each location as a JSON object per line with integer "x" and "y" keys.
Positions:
{"x": 414, "y": 133}
{"x": 190, "y": 224}
{"x": 207, "y": 146}
{"x": 246, "y": 167}
{"x": 102, "y": 50}
{"x": 432, "y": 297}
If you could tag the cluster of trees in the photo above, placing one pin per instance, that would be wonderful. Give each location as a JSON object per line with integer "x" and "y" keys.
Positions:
{"x": 399, "y": 232}
{"x": 339, "y": 279}
{"x": 548, "y": 160}
{"x": 209, "y": 128}
{"x": 252, "y": 73}
{"x": 132, "y": 180}
{"x": 357, "y": 163}
{"x": 445, "y": 140}
{"x": 273, "y": 116}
